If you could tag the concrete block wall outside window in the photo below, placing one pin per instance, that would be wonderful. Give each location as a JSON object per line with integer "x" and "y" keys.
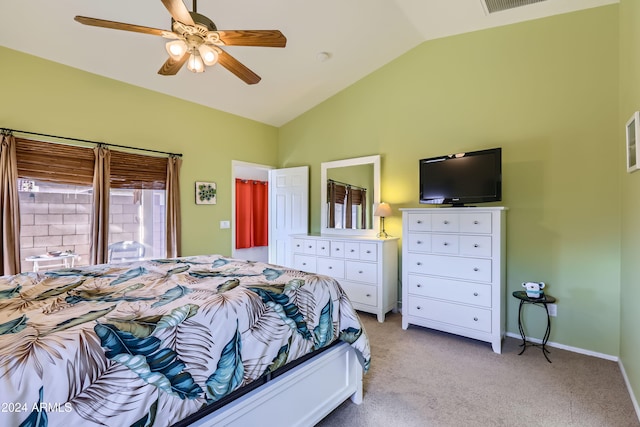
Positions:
{"x": 57, "y": 217}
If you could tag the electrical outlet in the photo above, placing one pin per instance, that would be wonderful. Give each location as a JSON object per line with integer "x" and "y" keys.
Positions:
{"x": 553, "y": 309}
{"x": 225, "y": 224}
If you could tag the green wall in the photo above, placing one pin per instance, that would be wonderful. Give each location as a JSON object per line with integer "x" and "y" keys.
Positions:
{"x": 546, "y": 91}
{"x": 45, "y": 97}
{"x": 630, "y": 231}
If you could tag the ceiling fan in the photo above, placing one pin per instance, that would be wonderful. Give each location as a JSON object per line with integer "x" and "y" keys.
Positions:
{"x": 196, "y": 40}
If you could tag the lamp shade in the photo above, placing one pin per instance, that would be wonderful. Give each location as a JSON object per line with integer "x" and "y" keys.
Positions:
{"x": 383, "y": 210}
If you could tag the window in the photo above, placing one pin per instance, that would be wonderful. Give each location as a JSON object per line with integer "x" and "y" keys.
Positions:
{"x": 56, "y": 194}
{"x": 54, "y": 217}
{"x": 136, "y": 224}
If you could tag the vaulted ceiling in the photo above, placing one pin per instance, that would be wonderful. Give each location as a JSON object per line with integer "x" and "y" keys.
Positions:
{"x": 330, "y": 44}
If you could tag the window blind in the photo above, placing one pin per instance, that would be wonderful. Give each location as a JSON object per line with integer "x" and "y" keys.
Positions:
{"x": 137, "y": 171}
{"x": 65, "y": 164}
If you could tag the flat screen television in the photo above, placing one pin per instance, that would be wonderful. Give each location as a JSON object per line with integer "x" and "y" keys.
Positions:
{"x": 463, "y": 178}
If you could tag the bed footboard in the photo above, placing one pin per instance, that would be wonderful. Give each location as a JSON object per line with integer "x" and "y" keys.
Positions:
{"x": 301, "y": 397}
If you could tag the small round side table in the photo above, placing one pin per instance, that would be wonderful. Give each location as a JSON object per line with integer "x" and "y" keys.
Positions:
{"x": 542, "y": 301}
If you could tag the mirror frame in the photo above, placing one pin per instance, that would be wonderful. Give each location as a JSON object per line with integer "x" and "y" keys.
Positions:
{"x": 373, "y": 160}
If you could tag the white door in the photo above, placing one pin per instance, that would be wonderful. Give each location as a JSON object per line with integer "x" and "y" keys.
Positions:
{"x": 288, "y": 211}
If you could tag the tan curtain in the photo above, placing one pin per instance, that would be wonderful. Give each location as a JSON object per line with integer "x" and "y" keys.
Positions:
{"x": 10, "y": 204}
{"x": 100, "y": 218}
{"x": 174, "y": 230}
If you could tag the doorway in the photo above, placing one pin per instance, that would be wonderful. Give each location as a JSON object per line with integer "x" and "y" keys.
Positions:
{"x": 250, "y": 172}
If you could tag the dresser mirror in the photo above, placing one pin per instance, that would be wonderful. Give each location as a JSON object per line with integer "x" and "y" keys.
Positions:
{"x": 350, "y": 191}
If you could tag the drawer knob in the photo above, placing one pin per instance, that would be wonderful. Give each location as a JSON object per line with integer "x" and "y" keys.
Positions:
{"x": 446, "y": 222}
{"x": 353, "y": 250}
{"x": 368, "y": 252}
{"x": 322, "y": 248}
{"x": 330, "y": 268}
{"x": 418, "y": 263}
{"x": 446, "y": 244}
{"x": 476, "y": 222}
{"x": 304, "y": 263}
{"x": 476, "y": 245}
{"x": 310, "y": 246}
{"x": 337, "y": 249}
{"x": 419, "y": 222}
{"x": 475, "y": 319}
{"x": 475, "y": 294}
{"x": 419, "y": 308}
{"x": 368, "y": 295}
{"x": 360, "y": 272}
{"x": 419, "y": 242}
{"x": 476, "y": 269}
{"x": 418, "y": 285}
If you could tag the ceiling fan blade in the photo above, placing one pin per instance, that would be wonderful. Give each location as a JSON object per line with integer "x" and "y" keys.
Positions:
{"x": 237, "y": 68}
{"x": 263, "y": 38}
{"x": 119, "y": 26}
{"x": 172, "y": 66}
{"x": 178, "y": 11}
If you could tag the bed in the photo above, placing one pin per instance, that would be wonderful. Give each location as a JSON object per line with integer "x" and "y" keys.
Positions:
{"x": 160, "y": 342}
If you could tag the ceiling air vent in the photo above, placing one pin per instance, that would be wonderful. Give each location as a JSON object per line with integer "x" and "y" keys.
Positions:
{"x": 498, "y": 5}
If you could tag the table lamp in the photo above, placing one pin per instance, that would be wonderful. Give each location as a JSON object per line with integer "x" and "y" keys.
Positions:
{"x": 383, "y": 209}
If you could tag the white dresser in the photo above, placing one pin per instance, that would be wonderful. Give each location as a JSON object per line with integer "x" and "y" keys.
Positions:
{"x": 453, "y": 271}
{"x": 367, "y": 268}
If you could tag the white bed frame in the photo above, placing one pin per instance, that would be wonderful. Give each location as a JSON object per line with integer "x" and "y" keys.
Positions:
{"x": 301, "y": 397}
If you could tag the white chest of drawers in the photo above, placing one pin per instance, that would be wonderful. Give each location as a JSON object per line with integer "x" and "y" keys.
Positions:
{"x": 453, "y": 271}
{"x": 367, "y": 268}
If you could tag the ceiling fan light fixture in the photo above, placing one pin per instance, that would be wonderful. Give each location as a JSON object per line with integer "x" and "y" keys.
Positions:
{"x": 209, "y": 55}
{"x": 195, "y": 63}
{"x": 176, "y": 48}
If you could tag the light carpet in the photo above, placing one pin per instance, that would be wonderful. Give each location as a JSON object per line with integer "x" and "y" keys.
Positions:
{"x": 421, "y": 377}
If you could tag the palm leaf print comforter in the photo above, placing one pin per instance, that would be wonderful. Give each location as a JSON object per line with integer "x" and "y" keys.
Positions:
{"x": 150, "y": 342}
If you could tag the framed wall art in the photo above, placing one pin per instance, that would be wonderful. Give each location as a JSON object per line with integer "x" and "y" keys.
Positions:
{"x": 206, "y": 193}
{"x": 632, "y": 132}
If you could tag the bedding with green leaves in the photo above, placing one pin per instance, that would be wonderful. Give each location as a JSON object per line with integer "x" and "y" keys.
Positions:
{"x": 150, "y": 342}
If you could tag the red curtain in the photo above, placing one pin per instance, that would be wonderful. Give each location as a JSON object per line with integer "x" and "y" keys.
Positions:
{"x": 252, "y": 213}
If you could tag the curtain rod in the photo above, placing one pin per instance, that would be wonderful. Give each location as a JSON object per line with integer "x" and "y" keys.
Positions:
{"x": 348, "y": 185}
{"x": 6, "y": 130}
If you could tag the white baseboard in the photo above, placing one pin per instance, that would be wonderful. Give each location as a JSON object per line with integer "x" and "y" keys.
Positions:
{"x": 567, "y": 347}
{"x": 631, "y": 393}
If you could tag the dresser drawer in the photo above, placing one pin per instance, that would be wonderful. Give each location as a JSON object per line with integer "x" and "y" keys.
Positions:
{"x": 475, "y": 269}
{"x": 309, "y": 246}
{"x": 444, "y": 243}
{"x": 361, "y": 272}
{"x": 445, "y": 222}
{"x": 337, "y": 249}
{"x": 298, "y": 245}
{"x": 368, "y": 252}
{"x": 419, "y": 222}
{"x": 331, "y": 267}
{"x": 352, "y": 250}
{"x": 323, "y": 247}
{"x": 450, "y": 290}
{"x": 360, "y": 293}
{"x": 475, "y": 222}
{"x": 454, "y": 314}
{"x": 475, "y": 246}
{"x": 419, "y": 242}
{"x": 305, "y": 263}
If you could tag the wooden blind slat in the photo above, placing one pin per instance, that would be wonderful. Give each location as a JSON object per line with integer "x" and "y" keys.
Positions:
{"x": 51, "y": 162}
{"x": 129, "y": 170}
